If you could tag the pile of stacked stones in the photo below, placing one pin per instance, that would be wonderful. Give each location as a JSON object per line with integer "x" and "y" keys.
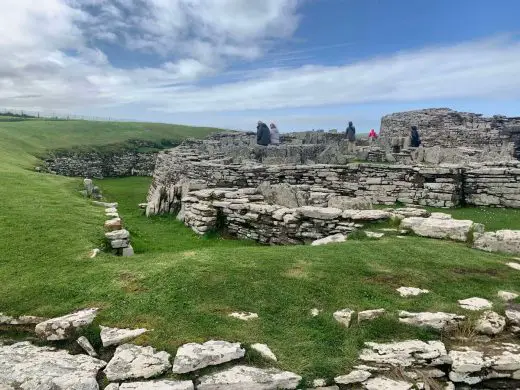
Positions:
{"x": 484, "y": 361}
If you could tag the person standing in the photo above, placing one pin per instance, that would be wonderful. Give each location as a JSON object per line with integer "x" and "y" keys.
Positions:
{"x": 415, "y": 140}
{"x": 263, "y": 135}
{"x": 275, "y": 134}
{"x": 372, "y": 136}
{"x": 351, "y": 138}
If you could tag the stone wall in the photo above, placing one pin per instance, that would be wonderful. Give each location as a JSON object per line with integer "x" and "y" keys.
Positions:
{"x": 449, "y": 128}
{"x": 98, "y": 165}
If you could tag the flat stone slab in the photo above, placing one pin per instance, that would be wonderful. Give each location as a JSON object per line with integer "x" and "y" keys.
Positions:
{"x": 65, "y": 327}
{"x": 368, "y": 315}
{"x": 453, "y": 229}
{"x": 250, "y": 378}
{"x": 514, "y": 265}
{"x": 507, "y": 296}
{"x": 405, "y": 353}
{"x": 475, "y": 304}
{"x": 157, "y": 385}
{"x": 507, "y": 241}
{"x": 438, "y": 320}
{"x": 374, "y": 234}
{"x": 135, "y": 362}
{"x": 411, "y": 291}
{"x": 244, "y": 316}
{"x": 116, "y": 336}
{"x": 356, "y": 376}
{"x": 366, "y": 215}
{"x": 122, "y": 234}
{"x": 22, "y": 320}
{"x": 265, "y": 351}
{"x": 26, "y": 366}
{"x": 490, "y": 323}
{"x": 192, "y": 356}
{"x": 325, "y": 213}
{"x": 382, "y": 383}
{"x": 330, "y": 240}
{"x": 105, "y": 204}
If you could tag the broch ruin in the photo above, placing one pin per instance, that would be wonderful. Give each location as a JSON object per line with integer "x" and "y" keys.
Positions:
{"x": 307, "y": 190}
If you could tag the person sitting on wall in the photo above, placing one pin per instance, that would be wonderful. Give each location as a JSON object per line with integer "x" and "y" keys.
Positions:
{"x": 263, "y": 135}
{"x": 415, "y": 140}
{"x": 351, "y": 138}
{"x": 275, "y": 134}
{"x": 372, "y": 136}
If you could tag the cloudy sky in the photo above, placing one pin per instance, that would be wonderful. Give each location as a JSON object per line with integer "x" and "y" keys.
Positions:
{"x": 303, "y": 64}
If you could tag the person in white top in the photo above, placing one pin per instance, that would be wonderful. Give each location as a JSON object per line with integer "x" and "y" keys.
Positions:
{"x": 275, "y": 134}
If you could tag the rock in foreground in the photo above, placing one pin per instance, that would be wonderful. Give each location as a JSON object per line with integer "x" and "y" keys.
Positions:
{"x": 251, "y": 378}
{"x": 507, "y": 241}
{"x": 65, "y": 327}
{"x": 454, "y": 229}
{"x": 192, "y": 356}
{"x": 134, "y": 362}
{"x": 115, "y": 336}
{"x": 26, "y": 366}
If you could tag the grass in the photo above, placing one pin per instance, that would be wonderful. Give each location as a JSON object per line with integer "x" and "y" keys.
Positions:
{"x": 183, "y": 286}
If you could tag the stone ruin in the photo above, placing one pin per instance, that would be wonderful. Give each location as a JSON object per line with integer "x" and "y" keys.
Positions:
{"x": 309, "y": 188}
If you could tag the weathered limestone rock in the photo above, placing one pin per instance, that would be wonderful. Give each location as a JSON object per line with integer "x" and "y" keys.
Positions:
{"x": 507, "y": 241}
{"x": 368, "y": 315}
{"x": 411, "y": 291}
{"x": 475, "y": 304}
{"x": 330, "y": 239}
{"x": 315, "y": 312}
{"x": 128, "y": 251}
{"x": 324, "y": 213}
{"x": 464, "y": 363}
{"x": 26, "y": 366}
{"x": 366, "y": 215}
{"x": 116, "y": 336}
{"x": 407, "y": 212}
{"x": 105, "y": 204}
{"x": 438, "y": 321}
{"x": 89, "y": 186}
{"x": 87, "y": 347}
{"x": 507, "y": 296}
{"x": 514, "y": 265}
{"x": 251, "y": 378}
{"x": 244, "y": 316}
{"x": 490, "y": 323}
{"x": 192, "y": 356}
{"x": 122, "y": 234}
{"x": 265, "y": 351}
{"x": 319, "y": 382}
{"x": 382, "y": 383}
{"x": 113, "y": 224}
{"x": 356, "y": 376}
{"x": 454, "y": 229}
{"x": 344, "y": 317}
{"x": 134, "y": 362}
{"x": 62, "y": 328}
{"x": 374, "y": 234}
{"x": 94, "y": 252}
{"x": 348, "y": 203}
{"x": 405, "y": 353}
{"x": 513, "y": 315}
{"x": 282, "y": 194}
{"x": 157, "y": 385}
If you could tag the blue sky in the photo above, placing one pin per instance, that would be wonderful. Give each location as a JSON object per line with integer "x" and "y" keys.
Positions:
{"x": 303, "y": 64}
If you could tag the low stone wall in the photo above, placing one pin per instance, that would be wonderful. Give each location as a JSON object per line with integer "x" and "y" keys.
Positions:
{"x": 99, "y": 165}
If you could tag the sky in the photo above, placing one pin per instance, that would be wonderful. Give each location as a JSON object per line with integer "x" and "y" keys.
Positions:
{"x": 302, "y": 64}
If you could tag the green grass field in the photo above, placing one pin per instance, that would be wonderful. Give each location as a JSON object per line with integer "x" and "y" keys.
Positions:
{"x": 183, "y": 286}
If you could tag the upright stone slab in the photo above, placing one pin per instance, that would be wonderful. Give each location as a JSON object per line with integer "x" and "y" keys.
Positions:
{"x": 116, "y": 336}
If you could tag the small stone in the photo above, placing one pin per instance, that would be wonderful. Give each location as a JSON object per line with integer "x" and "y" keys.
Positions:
{"x": 475, "y": 304}
{"x": 265, "y": 351}
{"x": 157, "y": 385}
{"x": 134, "y": 362}
{"x": 315, "y": 312}
{"x": 62, "y": 328}
{"x": 87, "y": 347}
{"x": 513, "y": 315}
{"x": 192, "y": 356}
{"x": 382, "y": 383}
{"x": 244, "y": 316}
{"x": 507, "y": 296}
{"x": 344, "y": 317}
{"x": 356, "y": 376}
{"x": 110, "y": 210}
{"x": 374, "y": 234}
{"x": 104, "y": 204}
{"x": 116, "y": 336}
{"x": 319, "y": 382}
{"x": 438, "y": 321}
{"x": 330, "y": 240}
{"x": 143, "y": 205}
{"x": 112, "y": 386}
{"x": 368, "y": 315}
{"x": 490, "y": 323}
{"x": 122, "y": 234}
{"x": 113, "y": 224}
{"x": 128, "y": 251}
{"x": 94, "y": 252}
{"x": 514, "y": 266}
{"x": 411, "y": 291}
{"x": 246, "y": 377}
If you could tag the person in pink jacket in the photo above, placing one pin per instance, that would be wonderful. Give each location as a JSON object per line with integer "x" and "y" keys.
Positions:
{"x": 372, "y": 136}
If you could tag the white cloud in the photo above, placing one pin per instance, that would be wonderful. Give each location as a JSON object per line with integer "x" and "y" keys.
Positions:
{"x": 50, "y": 60}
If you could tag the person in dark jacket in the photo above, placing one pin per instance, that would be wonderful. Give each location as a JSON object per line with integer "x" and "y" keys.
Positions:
{"x": 415, "y": 140}
{"x": 263, "y": 135}
{"x": 351, "y": 138}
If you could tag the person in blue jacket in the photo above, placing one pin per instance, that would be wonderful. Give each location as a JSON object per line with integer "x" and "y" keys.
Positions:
{"x": 263, "y": 135}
